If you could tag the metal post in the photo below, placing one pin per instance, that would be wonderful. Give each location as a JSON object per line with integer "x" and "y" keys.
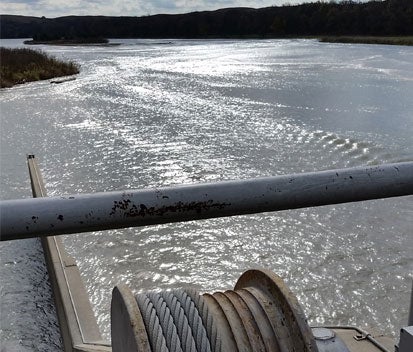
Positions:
{"x": 102, "y": 211}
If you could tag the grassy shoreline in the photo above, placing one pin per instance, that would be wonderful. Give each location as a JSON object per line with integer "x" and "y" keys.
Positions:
{"x": 405, "y": 40}
{"x": 75, "y": 41}
{"x": 19, "y": 66}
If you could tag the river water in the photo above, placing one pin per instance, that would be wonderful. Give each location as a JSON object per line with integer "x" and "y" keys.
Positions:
{"x": 152, "y": 113}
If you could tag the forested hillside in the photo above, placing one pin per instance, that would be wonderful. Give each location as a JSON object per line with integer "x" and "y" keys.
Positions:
{"x": 374, "y": 18}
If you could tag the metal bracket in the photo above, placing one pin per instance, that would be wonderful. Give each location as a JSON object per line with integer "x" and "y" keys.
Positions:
{"x": 361, "y": 337}
{"x": 406, "y": 339}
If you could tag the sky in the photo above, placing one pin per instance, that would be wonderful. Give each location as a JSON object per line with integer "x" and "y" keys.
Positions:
{"x": 56, "y": 8}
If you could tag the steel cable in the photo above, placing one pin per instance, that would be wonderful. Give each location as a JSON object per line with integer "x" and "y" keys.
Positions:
{"x": 181, "y": 322}
{"x": 167, "y": 323}
{"x": 207, "y": 319}
{"x": 260, "y": 314}
{"x": 152, "y": 324}
{"x": 173, "y": 322}
{"x": 198, "y": 330}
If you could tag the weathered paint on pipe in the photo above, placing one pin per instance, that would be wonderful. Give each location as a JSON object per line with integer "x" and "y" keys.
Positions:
{"x": 101, "y": 211}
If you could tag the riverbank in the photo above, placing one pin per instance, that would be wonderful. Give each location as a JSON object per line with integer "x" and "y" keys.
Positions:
{"x": 58, "y": 43}
{"x": 77, "y": 41}
{"x": 19, "y": 66}
{"x": 408, "y": 40}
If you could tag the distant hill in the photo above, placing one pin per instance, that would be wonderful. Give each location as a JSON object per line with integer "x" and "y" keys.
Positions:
{"x": 374, "y": 18}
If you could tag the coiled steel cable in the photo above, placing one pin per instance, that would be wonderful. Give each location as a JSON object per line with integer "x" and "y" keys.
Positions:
{"x": 181, "y": 322}
{"x": 260, "y": 314}
{"x": 198, "y": 330}
{"x": 260, "y": 318}
{"x": 152, "y": 324}
{"x": 173, "y": 321}
{"x": 207, "y": 319}
{"x": 166, "y": 321}
{"x": 247, "y": 319}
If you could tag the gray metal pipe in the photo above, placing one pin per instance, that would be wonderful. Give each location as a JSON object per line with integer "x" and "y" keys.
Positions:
{"x": 101, "y": 211}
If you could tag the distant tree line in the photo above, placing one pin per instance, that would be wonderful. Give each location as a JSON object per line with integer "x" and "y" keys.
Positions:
{"x": 374, "y": 18}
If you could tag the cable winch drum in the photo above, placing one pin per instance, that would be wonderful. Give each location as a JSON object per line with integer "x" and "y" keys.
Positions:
{"x": 260, "y": 314}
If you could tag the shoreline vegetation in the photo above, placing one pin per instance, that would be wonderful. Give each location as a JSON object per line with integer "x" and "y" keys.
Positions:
{"x": 337, "y": 18}
{"x": 387, "y": 22}
{"x": 396, "y": 40}
{"x": 19, "y": 66}
{"x": 393, "y": 40}
{"x": 71, "y": 41}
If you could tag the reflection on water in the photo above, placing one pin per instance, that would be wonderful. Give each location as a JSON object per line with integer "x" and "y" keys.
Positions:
{"x": 149, "y": 115}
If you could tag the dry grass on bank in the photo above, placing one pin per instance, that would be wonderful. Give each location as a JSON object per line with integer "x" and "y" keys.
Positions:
{"x": 26, "y": 65}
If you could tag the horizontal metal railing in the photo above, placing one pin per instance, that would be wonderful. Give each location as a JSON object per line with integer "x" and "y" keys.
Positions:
{"x": 108, "y": 210}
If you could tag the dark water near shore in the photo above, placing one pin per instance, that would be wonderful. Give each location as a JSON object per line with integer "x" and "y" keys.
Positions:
{"x": 150, "y": 114}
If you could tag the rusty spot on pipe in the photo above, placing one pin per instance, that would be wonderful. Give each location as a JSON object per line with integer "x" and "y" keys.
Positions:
{"x": 131, "y": 210}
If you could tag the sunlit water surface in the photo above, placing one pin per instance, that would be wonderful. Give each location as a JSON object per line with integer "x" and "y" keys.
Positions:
{"x": 151, "y": 114}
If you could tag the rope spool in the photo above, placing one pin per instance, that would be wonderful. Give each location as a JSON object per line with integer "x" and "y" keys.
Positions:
{"x": 260, "y": 314}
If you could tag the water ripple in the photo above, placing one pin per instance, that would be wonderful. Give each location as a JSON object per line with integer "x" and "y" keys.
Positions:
{"x": 149, "y": 115}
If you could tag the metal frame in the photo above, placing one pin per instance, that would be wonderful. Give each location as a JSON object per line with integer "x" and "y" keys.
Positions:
{"x": 78, "y": 326}
{"x": 102, "y": 211}
{"x": 362, "y": 335}
{"x": 42, "y": 217}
